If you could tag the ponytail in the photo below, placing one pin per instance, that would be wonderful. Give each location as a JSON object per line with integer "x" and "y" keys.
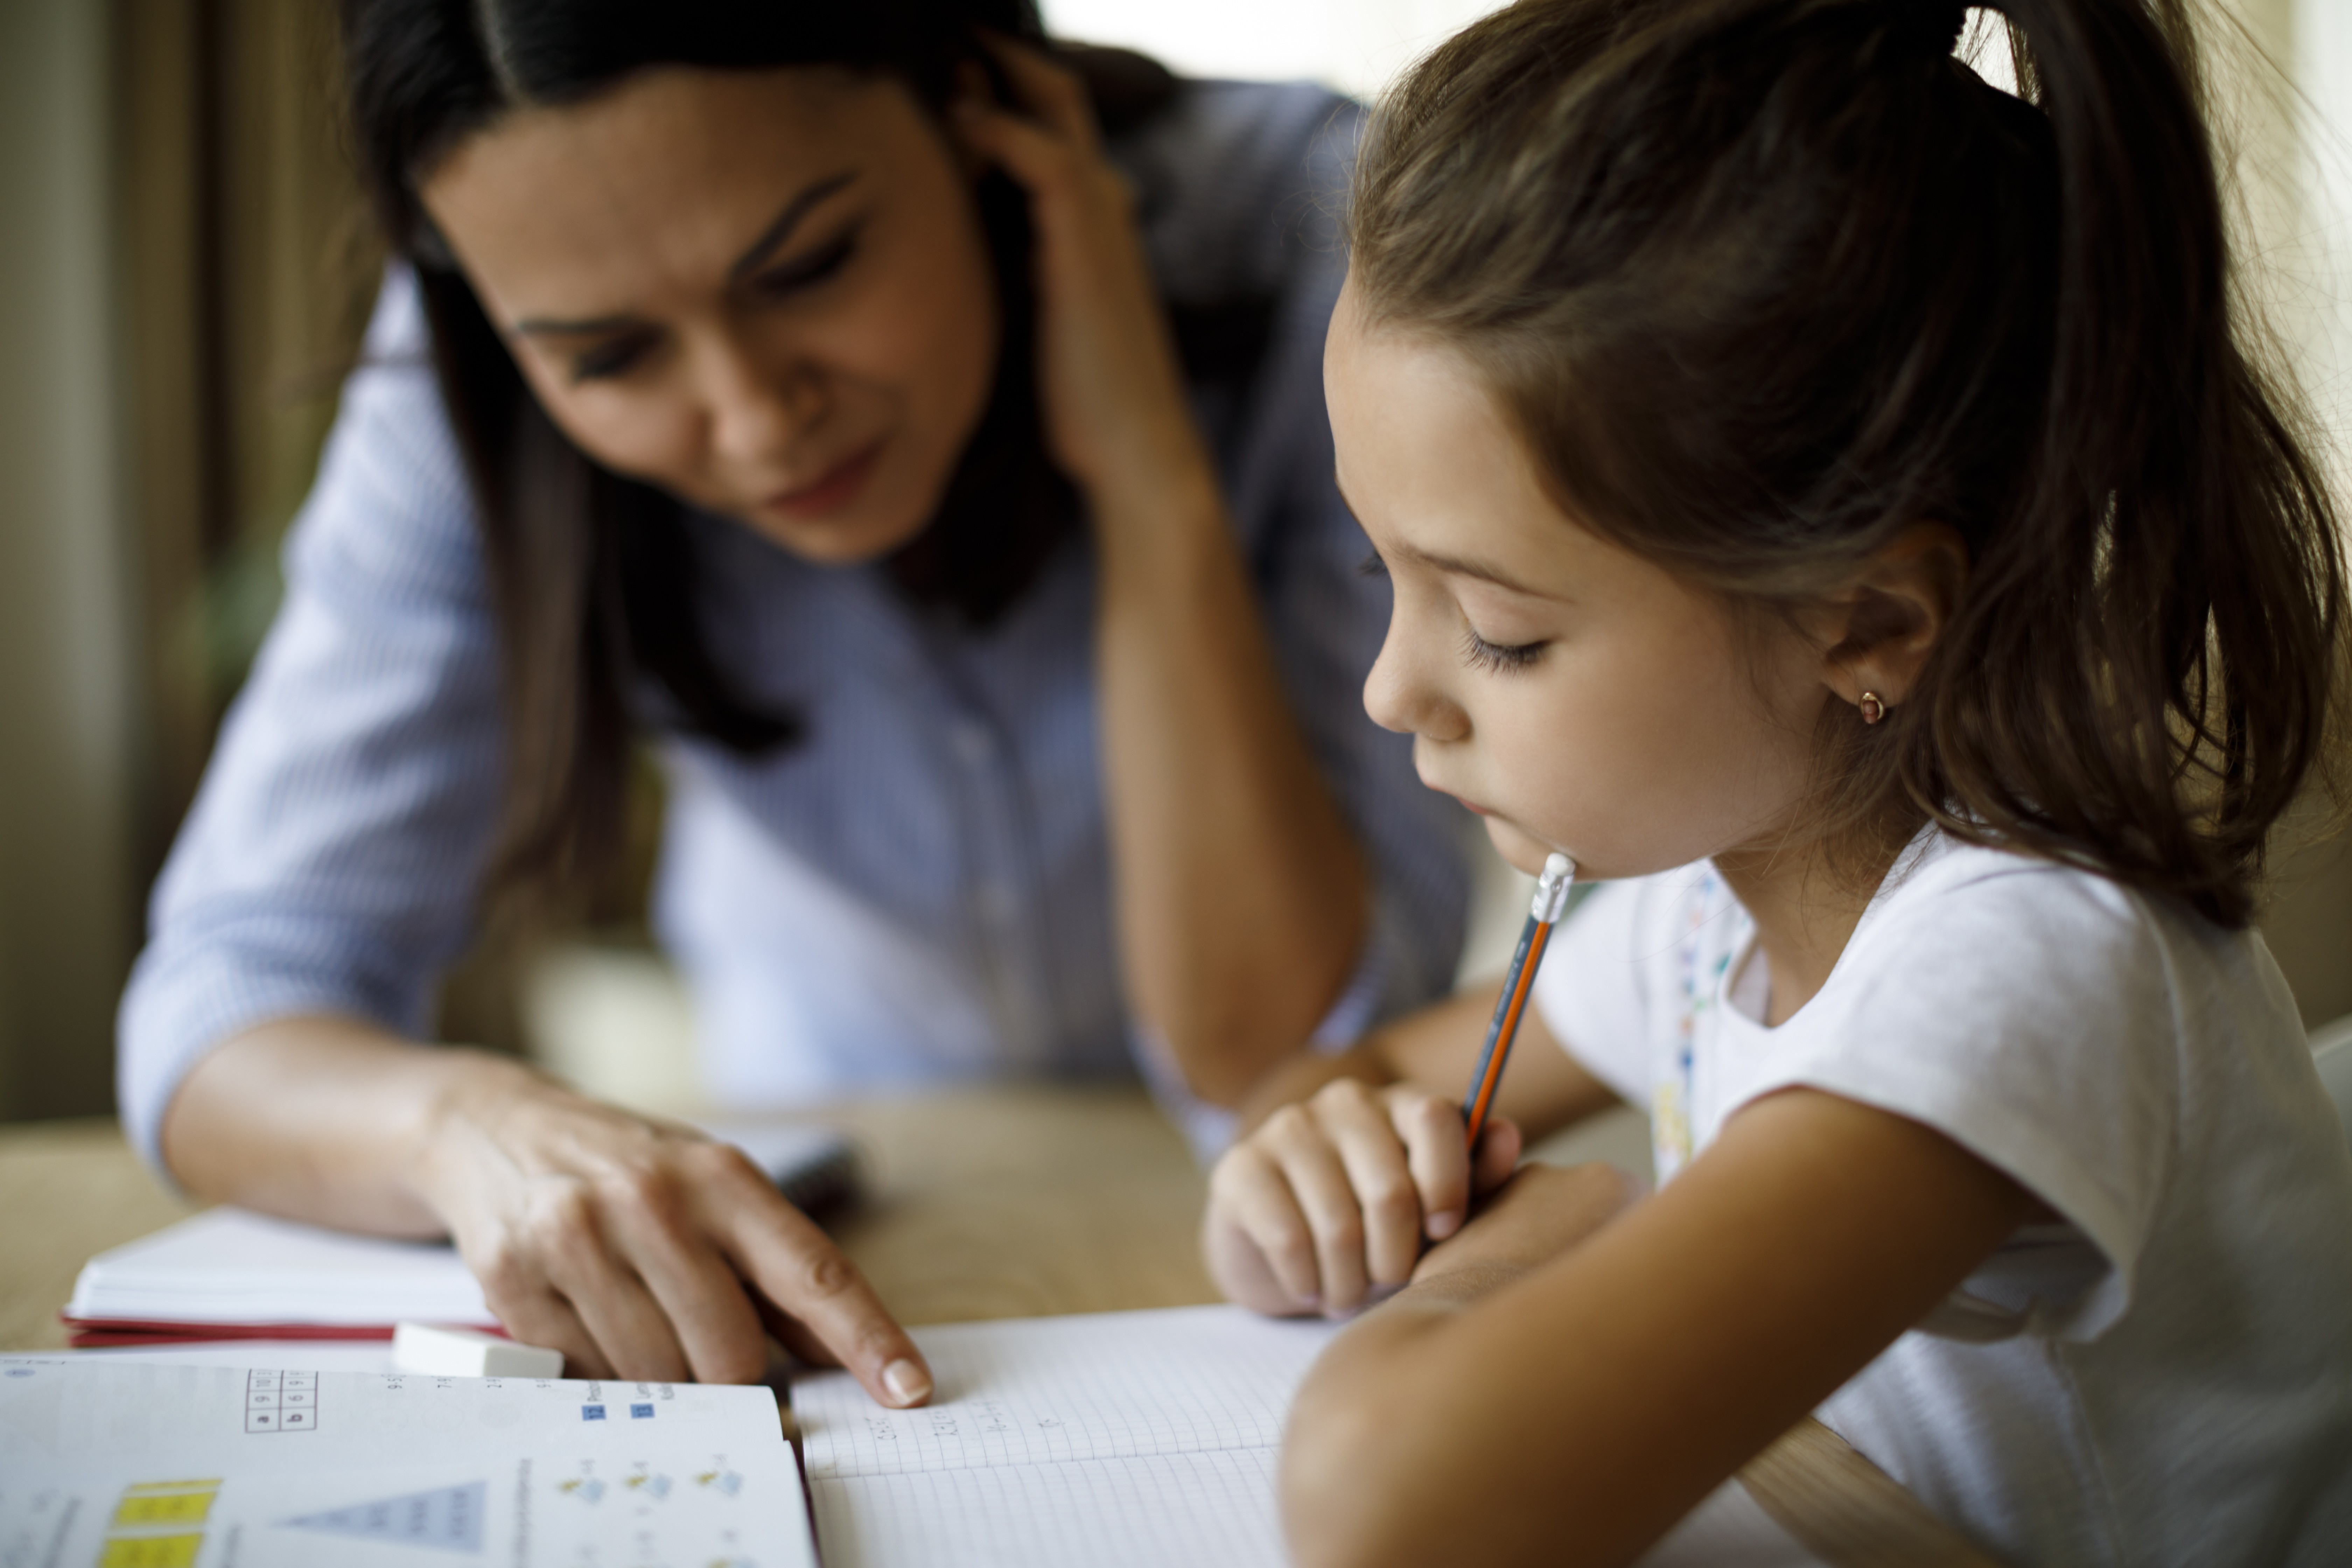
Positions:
{"x": 1767, "y": 281}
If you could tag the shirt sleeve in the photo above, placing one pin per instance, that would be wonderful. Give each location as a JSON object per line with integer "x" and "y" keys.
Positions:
{"x": 1590, "y": 990}
{"x": 2028, "y": 1015}
{"x": 332, "y": 859}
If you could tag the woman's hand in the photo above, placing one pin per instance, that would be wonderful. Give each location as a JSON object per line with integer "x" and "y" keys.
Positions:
{"x": 1116, "y": 415}
{"x": 639, "y": 1249}
{"x": 1329, "y": 1200}
{"x": 643, "y": 1251}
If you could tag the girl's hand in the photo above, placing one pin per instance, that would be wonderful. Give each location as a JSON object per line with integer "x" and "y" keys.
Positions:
{"x": 1116, "y": 415}
{"x": 643, "y": 1251}
{"x": 1539, "y": 1214}
{"x": 1331, "y": 1198}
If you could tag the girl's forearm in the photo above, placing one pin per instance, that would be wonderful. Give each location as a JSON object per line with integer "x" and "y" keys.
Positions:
{"x": 1242, "y": 896}
{"x": 328, "y": 1119}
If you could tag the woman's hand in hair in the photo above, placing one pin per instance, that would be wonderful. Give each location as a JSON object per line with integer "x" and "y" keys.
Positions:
{"x": 1116, "y": 415}
{"x": 643, "y": 1251}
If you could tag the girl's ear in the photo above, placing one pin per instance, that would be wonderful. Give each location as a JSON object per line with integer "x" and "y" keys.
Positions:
{"x": 1878, "y": 632}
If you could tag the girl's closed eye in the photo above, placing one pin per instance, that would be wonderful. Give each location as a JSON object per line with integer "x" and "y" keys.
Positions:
{"x": 1480, "y": 654}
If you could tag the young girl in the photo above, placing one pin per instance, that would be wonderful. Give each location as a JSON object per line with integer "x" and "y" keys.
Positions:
{"x": 1828, "y": 499}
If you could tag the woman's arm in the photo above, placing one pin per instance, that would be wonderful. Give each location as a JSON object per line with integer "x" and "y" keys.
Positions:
{"x": 638, "y": 1248}
{"x": 1538, "y": 1397}
{"x": 1242, "y": 898}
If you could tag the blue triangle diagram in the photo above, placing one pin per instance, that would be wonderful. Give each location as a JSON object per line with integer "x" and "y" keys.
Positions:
{"x": 448, "y": 1518}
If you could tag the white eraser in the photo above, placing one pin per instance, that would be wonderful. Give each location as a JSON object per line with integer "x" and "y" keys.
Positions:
{"x": 466, "y": 1353}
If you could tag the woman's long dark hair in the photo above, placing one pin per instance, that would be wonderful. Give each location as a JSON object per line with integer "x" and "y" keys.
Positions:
{"x": 1767, "y": 281}
{"x": 594, "y": 577}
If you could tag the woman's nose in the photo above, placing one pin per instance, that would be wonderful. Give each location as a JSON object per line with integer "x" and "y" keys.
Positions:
{"x": 759, "y": 405}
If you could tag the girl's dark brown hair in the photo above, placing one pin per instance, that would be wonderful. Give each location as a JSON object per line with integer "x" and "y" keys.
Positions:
{"x": 1765, "y": 282}
{"x": 594, "y": 579}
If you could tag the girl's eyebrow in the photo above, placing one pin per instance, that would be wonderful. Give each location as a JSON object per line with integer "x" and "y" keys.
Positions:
{"x": 1459, "y": 566}
{"x": 773, "y": 236}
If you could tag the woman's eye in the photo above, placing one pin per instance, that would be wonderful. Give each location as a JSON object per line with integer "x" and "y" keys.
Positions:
{"x": 1480, "y": 654}
{"x": 807, "y": 271}
{"x": 610, "y": 359}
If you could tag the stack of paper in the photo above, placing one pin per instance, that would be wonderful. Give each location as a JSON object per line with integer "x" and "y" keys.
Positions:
{"x": 229, "y": 1274}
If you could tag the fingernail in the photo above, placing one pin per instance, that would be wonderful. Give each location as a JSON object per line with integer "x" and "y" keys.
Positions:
{"x": 907, "y": 1382}
{"x": 1441, "y": 1226}
{"x": 1312, "y": 1303}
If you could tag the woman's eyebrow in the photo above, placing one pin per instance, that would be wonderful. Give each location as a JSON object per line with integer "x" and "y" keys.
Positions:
{"x": 773, "y": 236}
{"x": 786, "y": 221}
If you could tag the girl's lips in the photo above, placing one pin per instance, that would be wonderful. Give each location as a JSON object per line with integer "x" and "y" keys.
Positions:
{"x": 830, "y": 493}
{"x": 1474, "y": 806}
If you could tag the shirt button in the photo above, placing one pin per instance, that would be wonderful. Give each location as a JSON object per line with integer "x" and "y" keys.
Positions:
{"x": 973, "y": 742}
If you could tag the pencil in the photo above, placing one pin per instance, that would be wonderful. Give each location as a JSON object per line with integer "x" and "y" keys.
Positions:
{"x": 1550, "y": 900}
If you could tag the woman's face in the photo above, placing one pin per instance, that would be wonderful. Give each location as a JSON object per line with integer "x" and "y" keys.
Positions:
{"x": 766, "y": 292}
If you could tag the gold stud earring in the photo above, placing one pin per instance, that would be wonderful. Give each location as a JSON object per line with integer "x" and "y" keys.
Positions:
{"x": 1872, "y": 710}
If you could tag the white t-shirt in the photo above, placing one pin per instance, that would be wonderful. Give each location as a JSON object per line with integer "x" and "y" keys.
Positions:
{"x": 2167, "y": 1377}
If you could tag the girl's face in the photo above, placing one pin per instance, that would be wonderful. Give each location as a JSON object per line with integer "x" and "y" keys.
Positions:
{"x": 766, "y": 292}
{"x": 1576, "y": 697}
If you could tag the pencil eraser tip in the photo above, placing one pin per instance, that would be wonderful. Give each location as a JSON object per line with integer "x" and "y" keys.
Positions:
{"x": 430, "y": 1351}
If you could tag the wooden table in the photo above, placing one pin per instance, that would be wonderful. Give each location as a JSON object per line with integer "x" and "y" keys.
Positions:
{"x": 997, "y": 1202}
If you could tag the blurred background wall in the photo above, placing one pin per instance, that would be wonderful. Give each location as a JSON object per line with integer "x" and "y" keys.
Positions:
{"x": 183, "y": 271}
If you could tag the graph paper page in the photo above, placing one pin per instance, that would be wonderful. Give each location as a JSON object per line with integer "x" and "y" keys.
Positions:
{"x": 1105, "y": 1385}
{"x": 1141, "y": 1438}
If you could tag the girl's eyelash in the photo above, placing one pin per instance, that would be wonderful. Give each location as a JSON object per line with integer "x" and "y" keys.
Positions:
{"x": 1480, "y": 654}
{"x": 1373, "y": 566}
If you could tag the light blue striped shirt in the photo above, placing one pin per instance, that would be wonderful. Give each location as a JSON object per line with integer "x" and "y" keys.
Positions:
{"x": 920, "y": 893}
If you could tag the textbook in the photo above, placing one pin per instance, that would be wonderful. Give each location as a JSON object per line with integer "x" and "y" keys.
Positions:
{"x": 230, "y": 1274}
{"x": 1140, "y": 1438}
{"x": 135, "y": 1464}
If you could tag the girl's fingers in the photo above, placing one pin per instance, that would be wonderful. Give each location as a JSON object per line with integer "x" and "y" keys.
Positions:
{"x": 1320, "y": 1181}
{"x": 1386, "y": 1196}
{"x": 1434, "y": 1152}
{"x": 1250, "y": 1198}
{"x": 1500, "y": 1148}
{"x": 797, "y": 1266}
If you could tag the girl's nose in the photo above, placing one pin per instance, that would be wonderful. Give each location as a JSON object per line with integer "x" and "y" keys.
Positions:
{"x": 1399, "y": 696}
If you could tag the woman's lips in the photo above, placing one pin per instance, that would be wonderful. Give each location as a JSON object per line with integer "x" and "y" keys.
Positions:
{"x": 836, "y": 490}
{"x": 1473, "y": 805}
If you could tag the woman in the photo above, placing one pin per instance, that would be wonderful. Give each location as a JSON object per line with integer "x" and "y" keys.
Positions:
{"x": 799, "y": 395}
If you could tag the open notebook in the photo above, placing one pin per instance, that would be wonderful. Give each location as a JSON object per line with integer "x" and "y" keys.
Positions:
{"x": 1141, "y": 1438}
{"x": 1148, "y": 1439}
